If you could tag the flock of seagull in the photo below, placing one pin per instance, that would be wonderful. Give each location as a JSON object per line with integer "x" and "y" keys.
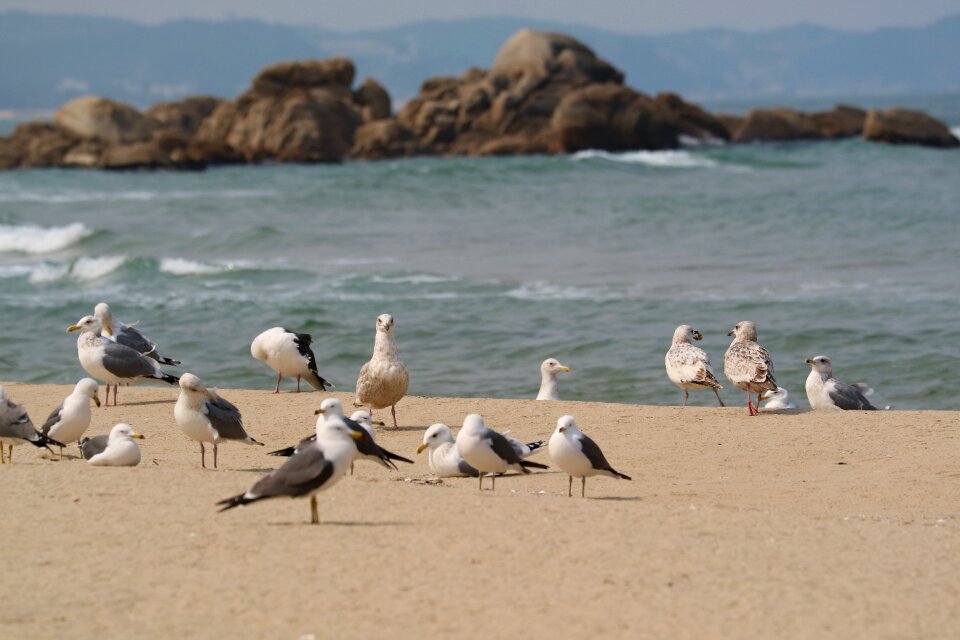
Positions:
{"x": 118, "y": 353}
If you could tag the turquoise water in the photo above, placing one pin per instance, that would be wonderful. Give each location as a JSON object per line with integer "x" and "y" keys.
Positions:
{"x": 491, "y": 265}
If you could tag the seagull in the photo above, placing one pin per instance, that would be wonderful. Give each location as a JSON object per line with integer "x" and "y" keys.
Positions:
{"x": 314, "y": 468}
{"x": 444, "y": 457}
{"x": 206, "y": 417}
{"x": 747, "y": 364}
{"x": 688, "y": 366}
{"x": 289, "y": 354}
{"x": 16, "y": 428}
{"x": 113, "y": 362}
{"x": 129, "y": 335}
{"x": 578, "y": 455}
{"x": 779, "y": 399}
{"x": 826, "y": 392}
{"x": 488, "y": 451}
{"x": 548, "y": 379}
{"x": 90, "y": 447}
{"x": 383, "y": 380}
{"x": 70, "y": 419}
{"x": 121, "y": 450}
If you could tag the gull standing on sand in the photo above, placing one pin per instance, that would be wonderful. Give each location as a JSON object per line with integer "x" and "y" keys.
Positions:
{"x": 747, "y": 364}
{"x": 16, "y": 428}
{"x": 548, "y": 379}
{"x": 488, "y": 451}
{"x": 688, "y": 366}
{"x": 579, "y": 456}
{"x": 204, "y": 416}
{"x": 779, "y": 399}
{"x": 289, "y": 354}
{"x": 444, "y": 457}
{"x": 314, "y": 468}
{"x": 129, "y": 335}
{"x": 383, "y": 381}
{"x": 826, "y": 392}
{"x": 68, "y": 422}
{"x": 113, "y": 362}
{"x": 121, "y": 450}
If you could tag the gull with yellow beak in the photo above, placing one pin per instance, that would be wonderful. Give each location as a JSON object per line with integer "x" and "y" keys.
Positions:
{"x": 204, "y": 416}
{"x": 121, "y": 449}
{"x": 68, "y": 422}
{"x": 548, "y": 379}
{"x": 312, "y": 469}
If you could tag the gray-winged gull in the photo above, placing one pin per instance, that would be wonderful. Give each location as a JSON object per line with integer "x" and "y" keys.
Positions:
{"x": 129, "y": 335}
{"x": 68, "y": 422}
{"x": 113, "y": 362}
{"x": 688, "y": 366}
{"x": 779, "y": 399}
{"x": 548, "y": 379}
{"x": 579, "y": 456}
{"x": 314, "y": 468}
{"x": 205, "y": 416}
{"x": 16, "y": 428}
{"x": 289, "y": 354}
{"x": 93, "y": 445}
{"x": 383, "y": 381}
{"x": 747, "y": 364}
{"x": 121, "y": 450}
{"x": 488, "y": 451}
{"x": 826, "y": 392}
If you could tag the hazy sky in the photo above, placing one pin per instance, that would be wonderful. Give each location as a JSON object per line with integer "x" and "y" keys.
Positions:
{"x": 624, "y": 15}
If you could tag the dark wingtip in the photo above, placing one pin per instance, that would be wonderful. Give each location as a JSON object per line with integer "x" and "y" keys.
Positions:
{"x": 532, "y": 465}
{"x": 393, "y": 456}
{"x": 169, "y": 379}
{"x": 286, "y": 452}
{"x": 170, "y": 362}
{"x": 232, "y": 502}
{"x": 622, "y": 476}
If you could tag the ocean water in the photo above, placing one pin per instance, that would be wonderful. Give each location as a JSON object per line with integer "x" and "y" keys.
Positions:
{"x": 492, "y": 265}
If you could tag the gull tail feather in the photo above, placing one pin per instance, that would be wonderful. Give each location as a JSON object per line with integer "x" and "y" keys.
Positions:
{"x": 392, "y": 456}
{"x": 526, "y": 464}
{"x": 236, "y": 501}
{"x": 533, "y": 447}
{"x": 285, "y": 452}
{"x": 166, "y": 377}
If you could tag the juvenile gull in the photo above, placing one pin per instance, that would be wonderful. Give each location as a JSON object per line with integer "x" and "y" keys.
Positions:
{"x": 747, "y": 364}
{"x": 548, "y": 379}
{"x": 314, "y": 468}
{"x": 68, "y": 422}
{"x": 779, "y": 399}
{"x": 129, "y": 335}
{"x": 826, "y": 392}
{"x": 444, "y": 457}
{"x": 113, "y": 362}
{"x": 488, "y": 451}
{"x": 578, "y": 455}
{"x": 16, "y": 428}
{"x": 289, "y": 354}
{"x": 121, "y": 450}
{"x": 383, "y": 381}
{"x": 688, "y": 366}
{"x": 204, "y": 416}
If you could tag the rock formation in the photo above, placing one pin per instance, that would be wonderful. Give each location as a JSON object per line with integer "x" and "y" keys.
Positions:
{"x": 904, "y": 126}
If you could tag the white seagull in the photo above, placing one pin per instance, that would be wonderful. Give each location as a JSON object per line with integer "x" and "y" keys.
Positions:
{"x": 289, "y": 354}
{"x": 68, "y": 422}
{"x": 121, "y": 450}
{"x": 826, "y": 392}
{"x": 578, "y": 456}
{"x": 383, "y": 381}
{"x": 443, "y": 456}
{"x": 779, "y": 399}
{"x": 488, "y": 451}
{"x": 688, "y": 366}
{"x": 548, "y": 379}
{"x": 747, "y": 364}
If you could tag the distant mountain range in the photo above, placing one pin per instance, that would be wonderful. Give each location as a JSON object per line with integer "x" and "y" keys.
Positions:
{"x": 46, "y": 60}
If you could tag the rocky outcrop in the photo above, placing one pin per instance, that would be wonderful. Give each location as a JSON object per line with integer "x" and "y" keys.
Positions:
{"x": 95, "y": 118}
{"x": 184, "y": 116}
{"x": 373, "y": 100}
{"x": 776, "y": 125}
{"x": 842, "y": 121}
{"x": 693, "y": 120}
{"x": 904, "y": 126}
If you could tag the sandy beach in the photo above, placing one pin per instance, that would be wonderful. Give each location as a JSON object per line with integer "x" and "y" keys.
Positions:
{"x": 798, "y": 525}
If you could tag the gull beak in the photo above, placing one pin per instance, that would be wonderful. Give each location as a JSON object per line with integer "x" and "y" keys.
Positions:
{"x": 697, "y": 335}
{"x": 108, "y": 328}
{"x": 138, "y": 436}
{"x": 211, "y": 395}
{"x": 808, "y": 361}
{"x": 356, "y": 435}
{"x": 378, "y": 423}
{"x": 421, "y": 448}
{"x": 763, "y": 396}
{"x": 318, "y": 412}
{"x": 73, "y": 327}
{"x": 96, "y": 399}
{"x": 564, "y": 369}
{"x": 731, "y": 332}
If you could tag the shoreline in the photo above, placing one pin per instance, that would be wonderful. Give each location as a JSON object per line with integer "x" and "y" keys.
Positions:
{"x": 791, "y": 525}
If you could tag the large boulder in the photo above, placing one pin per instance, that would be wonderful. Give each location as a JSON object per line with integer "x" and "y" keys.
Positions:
{"x": 35, "y": 144}
{"x": 373, "y": 100}
{"x": 96, "y": 118}
{"x": 693, "y": 120}
{"x": 384, "y": 138}
{"x": 842, "y": 121}
{"x": 776, "y": 124}
{"x": 184, "y": 116}
{"x": 905, "y": 126}
{"x": 543, "y": 53}
{"x": 304, "y": 74}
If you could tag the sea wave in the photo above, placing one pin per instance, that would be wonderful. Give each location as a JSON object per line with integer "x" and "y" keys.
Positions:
{"x": 670, "y": 158}
{"x": 413, "y": 278}
{"x": 35, "y": 240}
{"x": 184, "y": 267}
{"x": 71, "y": 197}
{"x": 541, "y": 291}
{"x": 84, "y": 269}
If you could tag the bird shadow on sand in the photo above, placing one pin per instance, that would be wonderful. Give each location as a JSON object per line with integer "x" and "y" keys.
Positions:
{"x": 617, "y": 498}
{"x": 399, "y": 429}
{"x": 341, "y": 523}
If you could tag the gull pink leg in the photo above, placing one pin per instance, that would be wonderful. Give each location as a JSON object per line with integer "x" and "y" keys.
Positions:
{"x": 279, "y": 377}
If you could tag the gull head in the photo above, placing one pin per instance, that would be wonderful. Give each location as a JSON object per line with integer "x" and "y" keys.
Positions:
{"x": 87, "y": 324}
{"x": 567, "y": 425}
{"x": 821, "y": 364}
{"x": 88, "y": 387}
{"x": 780, "y": 394}
{"x": 473, "y": 423}
{"x": 436, "y": 435}
{"x": 192, "y": 384}
{"x": 385, "y": 323}
{"x": 552, "y": 366}
{"x": 685, "y": 333}
{"x": 744, "y": 330}
{"x": 123, "y": 431}
{"x": 105, "y": 316}
{"x": 330, "y": 407}
{"x": 363, "y": 417}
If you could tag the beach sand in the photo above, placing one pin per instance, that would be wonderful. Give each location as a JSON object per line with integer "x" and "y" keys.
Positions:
{"x": 798, "y": 525}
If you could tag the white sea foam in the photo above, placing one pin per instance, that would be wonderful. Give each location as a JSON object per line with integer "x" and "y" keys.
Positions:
{"x": 70, "y": 197}
{"x": 83, "y": 269}
{"x": 547, "y": 291}
{"x": 671, "y": 159}
{"x": 414, "y": 278}
{"x": 184, "y": 267}
{"x": 36, "y": 240}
